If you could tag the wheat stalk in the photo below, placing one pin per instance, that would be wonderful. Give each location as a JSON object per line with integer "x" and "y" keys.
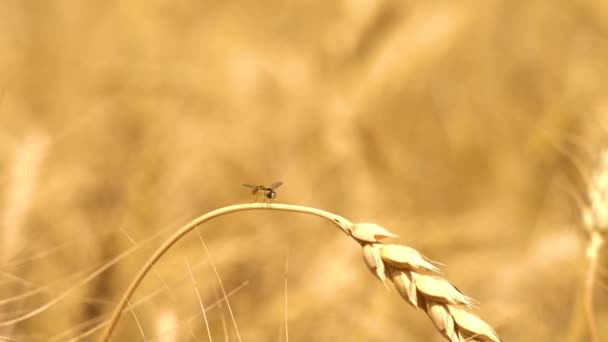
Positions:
{"x": 404, "y": 266}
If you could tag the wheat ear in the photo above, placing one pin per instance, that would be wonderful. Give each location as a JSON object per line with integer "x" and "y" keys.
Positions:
{"x": 404, "y": 266}
{"x": 408, "y": 270}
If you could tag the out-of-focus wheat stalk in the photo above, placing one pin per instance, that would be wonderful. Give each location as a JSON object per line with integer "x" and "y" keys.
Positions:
{"x": 595, "y": 221}
{"x": 409, "y": 271}
{"x": 22, "y": 183}
{"x": 23, "y": 179}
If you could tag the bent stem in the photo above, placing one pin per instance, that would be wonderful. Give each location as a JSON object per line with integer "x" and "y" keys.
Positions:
{"x": 341, "y": 222}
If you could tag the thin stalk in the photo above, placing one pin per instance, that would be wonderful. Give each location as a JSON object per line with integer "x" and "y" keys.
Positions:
{"x": 341, "y": 222}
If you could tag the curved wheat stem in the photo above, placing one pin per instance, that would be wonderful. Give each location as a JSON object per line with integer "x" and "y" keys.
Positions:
{"x": 404, "y": 266}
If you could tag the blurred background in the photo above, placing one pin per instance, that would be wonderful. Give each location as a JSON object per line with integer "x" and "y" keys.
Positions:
{"x": 468, "y": 128}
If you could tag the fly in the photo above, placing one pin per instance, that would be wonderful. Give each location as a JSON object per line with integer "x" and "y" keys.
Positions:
{"x": 267, "y": 193}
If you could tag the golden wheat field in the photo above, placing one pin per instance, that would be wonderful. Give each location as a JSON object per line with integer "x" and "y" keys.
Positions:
{"x": 473, "y": 130}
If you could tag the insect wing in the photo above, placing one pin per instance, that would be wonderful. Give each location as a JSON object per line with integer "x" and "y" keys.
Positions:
{"x": 275, "y": 185}
{"x": 251, "y": 186}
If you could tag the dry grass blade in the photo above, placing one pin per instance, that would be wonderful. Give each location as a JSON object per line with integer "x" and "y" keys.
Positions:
{"x": 219, "y": 281}
{"x": 200, "y": 300}
{"x": 141, "y": 330}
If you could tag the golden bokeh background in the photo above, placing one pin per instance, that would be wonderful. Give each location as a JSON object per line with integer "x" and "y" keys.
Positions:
{"x": 468, "y": 128}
